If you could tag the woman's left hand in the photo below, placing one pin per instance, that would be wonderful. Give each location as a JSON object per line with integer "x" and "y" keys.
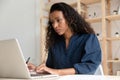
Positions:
{"x": 44, "y": 69}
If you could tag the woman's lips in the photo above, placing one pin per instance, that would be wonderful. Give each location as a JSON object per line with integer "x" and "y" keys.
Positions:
{"x": 57, "y": 30}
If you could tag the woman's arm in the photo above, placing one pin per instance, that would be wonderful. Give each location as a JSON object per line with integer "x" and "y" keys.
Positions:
{"x": 67, "y": 71}
{"x": 43, "y": 69}
{"x": 91, "y": 57}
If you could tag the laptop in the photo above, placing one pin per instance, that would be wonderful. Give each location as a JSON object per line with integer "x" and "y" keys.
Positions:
{"x": 12, "y": 62}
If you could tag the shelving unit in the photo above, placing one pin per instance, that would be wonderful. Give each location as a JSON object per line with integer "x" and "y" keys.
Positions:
{"x": 107, "y": 39}
{"x": 101, "y": 20}
{"x": 42, "y": 39}
{"x": 109, "y": 18}
{"x": 113, "y": 38}
{"x": 113, "y": 61}
{"x": 94, "y": 20}
{"x": 89, "y": 1}
{"x": 113, "y": 17}
{"x": 105, "y": 19}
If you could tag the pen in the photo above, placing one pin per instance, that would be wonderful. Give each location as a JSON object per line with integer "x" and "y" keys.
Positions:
{"x": 27, "y": 60}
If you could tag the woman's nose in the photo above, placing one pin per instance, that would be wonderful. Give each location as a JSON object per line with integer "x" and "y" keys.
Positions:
{"x": 55, "y": 25}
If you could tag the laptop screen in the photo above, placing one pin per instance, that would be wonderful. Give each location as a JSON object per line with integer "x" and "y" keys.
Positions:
{"x": 12, "y": 63}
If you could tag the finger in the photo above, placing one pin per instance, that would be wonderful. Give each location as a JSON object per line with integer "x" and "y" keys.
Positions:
{"x": 39, "y": 69}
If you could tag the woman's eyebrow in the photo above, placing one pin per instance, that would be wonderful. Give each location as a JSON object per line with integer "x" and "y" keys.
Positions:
{"x": 52, "y": 19}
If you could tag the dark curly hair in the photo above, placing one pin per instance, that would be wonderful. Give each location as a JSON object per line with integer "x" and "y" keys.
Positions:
{"x": 75, "y": 21}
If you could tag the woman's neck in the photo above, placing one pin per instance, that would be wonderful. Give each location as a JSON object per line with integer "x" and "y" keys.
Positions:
{"x": 67, "y": 37}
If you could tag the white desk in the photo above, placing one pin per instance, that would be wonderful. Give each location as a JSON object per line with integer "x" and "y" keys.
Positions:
{"x": 89, "y": 77}
{"x": 75, "y": 77}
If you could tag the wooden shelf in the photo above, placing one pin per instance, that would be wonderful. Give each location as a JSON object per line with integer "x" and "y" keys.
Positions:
{"x": 48, "y": 5}
{"x": 94, "y": 20}
{"x": 73, "y": 3}
{"x": 113, "y": 38}
{"x": 86, "y": 2}
{"x": 113, "y": 17}
{"x": 89, "y": 1}
{"x": 113, "y": 61}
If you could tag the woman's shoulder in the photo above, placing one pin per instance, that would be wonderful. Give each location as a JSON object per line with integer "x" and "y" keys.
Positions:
{"x": 84, "y": 37}
{"x": 87, "y": 35}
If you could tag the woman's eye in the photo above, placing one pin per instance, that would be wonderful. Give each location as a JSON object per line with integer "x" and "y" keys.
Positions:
{"x": 58, "y": 20}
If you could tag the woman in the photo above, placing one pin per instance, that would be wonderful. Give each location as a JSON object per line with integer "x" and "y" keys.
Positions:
{"x": 72, "y": 45}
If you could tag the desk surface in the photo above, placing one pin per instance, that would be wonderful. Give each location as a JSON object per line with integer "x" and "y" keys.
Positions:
{"x": 89, "y": 77}
{"x": 74, "y": 77}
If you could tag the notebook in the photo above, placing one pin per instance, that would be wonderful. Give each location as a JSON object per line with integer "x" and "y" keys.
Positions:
{"x": 12, "y": 62}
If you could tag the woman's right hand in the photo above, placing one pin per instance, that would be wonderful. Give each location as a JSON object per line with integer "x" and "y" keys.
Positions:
{"x": 31, "y": 66}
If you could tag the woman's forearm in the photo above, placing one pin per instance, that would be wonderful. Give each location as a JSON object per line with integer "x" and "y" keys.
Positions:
{"x": 68, "y": 71}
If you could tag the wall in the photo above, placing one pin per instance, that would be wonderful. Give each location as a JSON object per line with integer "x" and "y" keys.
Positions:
{"x": 20, "y": 19}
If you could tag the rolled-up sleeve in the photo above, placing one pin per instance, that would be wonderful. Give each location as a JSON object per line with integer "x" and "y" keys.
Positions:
{"x": 91, "y": 58}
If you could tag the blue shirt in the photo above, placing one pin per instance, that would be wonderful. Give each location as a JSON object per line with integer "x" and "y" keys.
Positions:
{"x": 83, "y": 54}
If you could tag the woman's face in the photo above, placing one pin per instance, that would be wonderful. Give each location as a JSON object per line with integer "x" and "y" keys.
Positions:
{"x": 58, "y": 22}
